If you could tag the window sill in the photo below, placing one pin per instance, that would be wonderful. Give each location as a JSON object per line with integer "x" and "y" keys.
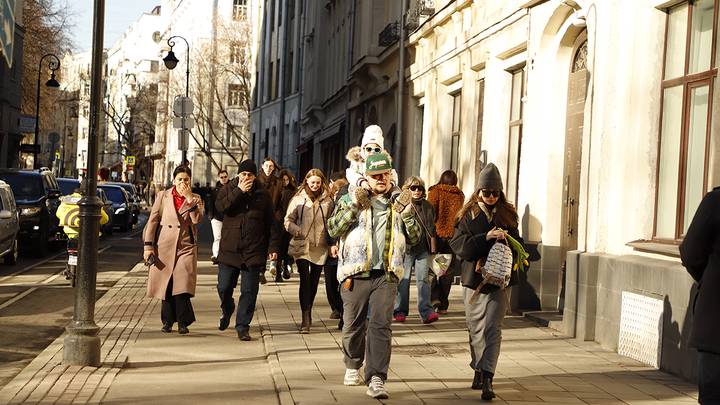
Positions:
{"x": 649, "y": 246}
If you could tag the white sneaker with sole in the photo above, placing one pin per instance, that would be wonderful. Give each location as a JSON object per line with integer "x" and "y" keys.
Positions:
{"x": 352, "y": 377}
{"x": 376, "y": 389}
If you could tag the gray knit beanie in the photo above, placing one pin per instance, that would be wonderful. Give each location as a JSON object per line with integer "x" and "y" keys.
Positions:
{"x": 490, "y": 178}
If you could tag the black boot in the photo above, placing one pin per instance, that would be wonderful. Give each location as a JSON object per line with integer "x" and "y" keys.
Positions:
{"x": 477, "y": 383}
{"x": 487, "y": 388}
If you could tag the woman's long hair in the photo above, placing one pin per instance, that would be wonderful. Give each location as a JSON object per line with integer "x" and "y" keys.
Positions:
{"x": 286, "y": 172}
{"x": 324, "y": 189}
{"x": 449, "y": 178}
{"x": 505, "y": 213}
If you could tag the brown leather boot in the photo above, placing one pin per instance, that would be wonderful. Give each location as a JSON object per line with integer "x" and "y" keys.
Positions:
{"x": 306, "y": 322}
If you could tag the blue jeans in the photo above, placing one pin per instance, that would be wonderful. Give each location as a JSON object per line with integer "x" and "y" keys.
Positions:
{"x": 249, "y": 287}
{"x": 422, "y": 280}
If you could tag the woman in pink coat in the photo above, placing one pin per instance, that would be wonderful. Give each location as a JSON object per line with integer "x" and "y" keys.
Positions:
{"x": 171, "y": 247}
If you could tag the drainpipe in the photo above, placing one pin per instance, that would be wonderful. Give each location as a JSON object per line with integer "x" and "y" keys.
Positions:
{"x": 401, "y": 87}
{"x": 351, "y": 55}
{"x": 301, "y": 75}
{"x": 283, "y": 62}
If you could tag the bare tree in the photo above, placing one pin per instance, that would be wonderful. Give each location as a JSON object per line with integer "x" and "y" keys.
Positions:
{"x": 222, "y": 90}
{"x": 47, "y": 24}
{"x": 134, "y": 124}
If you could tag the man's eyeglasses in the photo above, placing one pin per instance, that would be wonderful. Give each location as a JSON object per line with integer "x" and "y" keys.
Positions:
{"x": 488, "y": 193}
{"x": 370, "y": 149}
{"x": 417, "y": 188}
{"x": 223, "y": 177}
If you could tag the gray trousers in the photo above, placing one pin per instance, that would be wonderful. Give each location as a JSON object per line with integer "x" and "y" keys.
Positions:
{"x": 368, "y": 338}
{"x": 484, "y": 321}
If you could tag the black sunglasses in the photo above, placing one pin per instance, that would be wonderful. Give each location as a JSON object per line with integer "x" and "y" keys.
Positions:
{"x": 371, "y": 149}
{"x": 417, "y": 188}
{"x": 488, "y": 193}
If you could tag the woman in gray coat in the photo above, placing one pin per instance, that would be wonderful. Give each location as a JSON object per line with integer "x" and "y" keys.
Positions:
{"x": 484, "y": 219}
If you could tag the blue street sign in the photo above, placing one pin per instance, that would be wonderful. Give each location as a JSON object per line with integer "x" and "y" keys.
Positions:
{"x": 7, "y": 29}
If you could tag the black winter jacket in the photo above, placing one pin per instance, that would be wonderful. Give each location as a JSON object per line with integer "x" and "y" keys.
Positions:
{"x": 214, "y": 213}
{"x": 469, "y": 245}
{"x": 249, "y": 229}
{"x": 700, "y": 253}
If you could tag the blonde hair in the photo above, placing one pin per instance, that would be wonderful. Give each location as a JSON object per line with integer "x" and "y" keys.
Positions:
{"x": 325, "y": 189}
{"x": 414, "y": 181}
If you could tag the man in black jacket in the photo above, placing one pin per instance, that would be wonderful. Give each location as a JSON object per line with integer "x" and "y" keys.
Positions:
{"x": 249, "y": 237}
{"x": 700, "y": 253}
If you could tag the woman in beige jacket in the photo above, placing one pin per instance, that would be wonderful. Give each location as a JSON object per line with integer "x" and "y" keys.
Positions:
{"x": 306, "y": 221}
{"x": 171, "y": 240}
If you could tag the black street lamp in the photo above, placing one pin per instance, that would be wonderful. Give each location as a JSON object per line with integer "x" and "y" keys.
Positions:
{"x": 53, "y": 66}
{"x": 82, "y": 344}
{"x": 171, "y": 61}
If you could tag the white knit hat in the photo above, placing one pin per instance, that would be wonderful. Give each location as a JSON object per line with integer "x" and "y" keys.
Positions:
{"x": 373, "y": 134}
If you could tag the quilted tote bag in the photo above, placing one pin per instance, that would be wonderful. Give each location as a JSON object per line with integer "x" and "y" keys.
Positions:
{"x": 497, "y": 268}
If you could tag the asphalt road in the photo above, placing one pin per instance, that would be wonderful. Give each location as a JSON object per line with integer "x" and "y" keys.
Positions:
{"x": 36, "y": 302}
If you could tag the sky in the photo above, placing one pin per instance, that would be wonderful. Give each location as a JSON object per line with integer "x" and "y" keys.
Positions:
{"x": 119, "y": 14}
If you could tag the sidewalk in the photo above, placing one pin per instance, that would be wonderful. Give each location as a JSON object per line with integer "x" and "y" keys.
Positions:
{"x": 429, "y": 363}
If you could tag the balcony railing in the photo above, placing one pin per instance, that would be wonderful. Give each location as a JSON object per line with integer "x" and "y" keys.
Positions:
{"x": 389, "y": 35}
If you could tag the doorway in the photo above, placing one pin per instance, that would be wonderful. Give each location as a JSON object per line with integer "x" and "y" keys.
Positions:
{"x": 575, "y": 121}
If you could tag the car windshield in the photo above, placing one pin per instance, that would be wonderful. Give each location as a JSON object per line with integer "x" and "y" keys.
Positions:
{"x": 114, "y": 194}
{"x": 68, "y": 186}
{"x": 24, "y": 186}
{"x": 129, "y": 188}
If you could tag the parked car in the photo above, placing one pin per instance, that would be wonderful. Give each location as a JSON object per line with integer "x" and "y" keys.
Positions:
{"x": 9, "y": 225}
{"x": 68, "y": 186}
{"x": 121, "y": 205}
{"x": 37, "y": 195}
{"x": 134, "y": 198}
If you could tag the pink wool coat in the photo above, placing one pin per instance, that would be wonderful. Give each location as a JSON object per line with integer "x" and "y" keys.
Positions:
{"x": 176, "y": 246}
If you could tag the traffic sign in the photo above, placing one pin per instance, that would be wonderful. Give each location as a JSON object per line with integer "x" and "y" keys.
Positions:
{"x": 183, "y": 106}
{"x": 29, "y": 148}
{"x": 7, "y": 29}
{"x": 183, "y": 122}
{"x": 26, "y": 123}
{"x": 130, "y": 160}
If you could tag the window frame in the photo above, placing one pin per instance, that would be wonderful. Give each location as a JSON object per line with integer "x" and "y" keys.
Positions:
{"x": 455, "y": 130}
{"x": 688, "y": 83}
{"x": 239, "y": 11}
{"x": 518, "y": 123}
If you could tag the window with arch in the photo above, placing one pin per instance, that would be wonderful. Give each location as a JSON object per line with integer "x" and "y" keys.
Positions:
{"x": 687, "y": 150}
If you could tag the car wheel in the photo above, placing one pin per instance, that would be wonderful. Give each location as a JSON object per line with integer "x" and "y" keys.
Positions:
{"x": 12, "y": 257}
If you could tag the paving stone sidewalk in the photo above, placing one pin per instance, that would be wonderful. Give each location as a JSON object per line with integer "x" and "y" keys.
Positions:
{"x": 429, "y": 363}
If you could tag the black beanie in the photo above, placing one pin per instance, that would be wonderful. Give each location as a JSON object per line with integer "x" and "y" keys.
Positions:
{"x": 490, "y": 178}
{"x": 248, "y": 165}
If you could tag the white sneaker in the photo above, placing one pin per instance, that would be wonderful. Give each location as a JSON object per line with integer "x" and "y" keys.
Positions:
{"x": 352, "y": 377}
{"x": 376, "y": 389}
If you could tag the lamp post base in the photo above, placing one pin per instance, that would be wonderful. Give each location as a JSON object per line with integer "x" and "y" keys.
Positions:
{"x": 81, "y": 346}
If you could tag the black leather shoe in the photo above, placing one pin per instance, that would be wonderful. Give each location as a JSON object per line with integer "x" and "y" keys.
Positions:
{"x": 487, "y": 388}
{"x": 243, "y": 335}
{"x": 167, "y": 328}
{"x": 183, "y": 330}
{"x": 477, "y": 383}
{"x": 224, "y": 322}
{"x": 286, "y": 273}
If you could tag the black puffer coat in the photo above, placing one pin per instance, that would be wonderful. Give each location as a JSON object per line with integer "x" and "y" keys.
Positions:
{"x": 470, "y": 245}
{"x": 700, "y": 253}
{"x": 249, "y": 229}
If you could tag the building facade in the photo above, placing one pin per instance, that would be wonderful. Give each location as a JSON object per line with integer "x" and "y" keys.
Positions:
{"x": 11, "y": 94}
{"x": 218, "y": 34}
{"x": 602, "y": 120}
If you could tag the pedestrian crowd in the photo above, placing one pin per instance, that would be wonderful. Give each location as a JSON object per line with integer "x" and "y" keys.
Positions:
{"x": 365, "y": 231}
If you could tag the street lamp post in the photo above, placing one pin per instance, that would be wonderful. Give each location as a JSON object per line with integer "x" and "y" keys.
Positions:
{"x": 53, "y": 66}
{"x": 171, "y": 62}
{"x": 82, "y": 345}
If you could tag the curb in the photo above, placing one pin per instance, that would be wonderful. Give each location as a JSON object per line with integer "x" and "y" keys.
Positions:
{"x": 279, "y": 380}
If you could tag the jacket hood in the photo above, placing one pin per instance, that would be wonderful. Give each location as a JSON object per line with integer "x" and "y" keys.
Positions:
{"x": 446, "y": 188}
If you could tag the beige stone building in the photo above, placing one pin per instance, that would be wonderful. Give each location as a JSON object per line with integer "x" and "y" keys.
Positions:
{"x": 602, "y": 119}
